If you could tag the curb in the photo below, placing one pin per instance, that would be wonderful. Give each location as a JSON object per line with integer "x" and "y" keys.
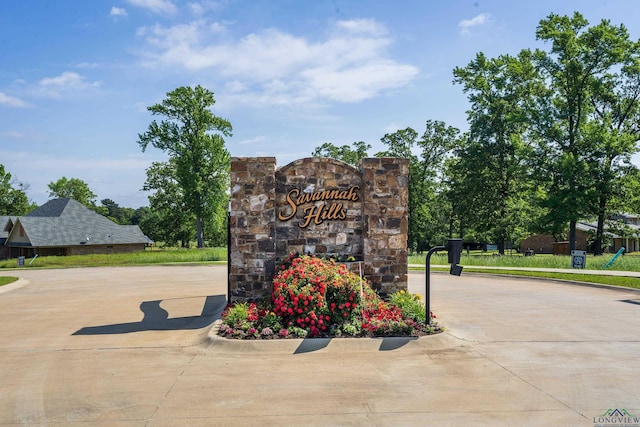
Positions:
{"x": 15, "y": 285}
{"x": 436, "y": 342}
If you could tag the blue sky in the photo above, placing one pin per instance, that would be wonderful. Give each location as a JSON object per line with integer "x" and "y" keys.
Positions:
{"x": 76, "y": 76}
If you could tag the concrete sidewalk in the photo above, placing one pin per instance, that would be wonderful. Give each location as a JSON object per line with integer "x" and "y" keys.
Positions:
{"x": 75, "y": 349}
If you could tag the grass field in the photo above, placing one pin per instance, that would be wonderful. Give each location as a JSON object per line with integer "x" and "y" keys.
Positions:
{"x": 629, "y": 262}
{"x": 5, "y": 280}
{"x": 148, "y": 257}
{"x": 621, "y": 281}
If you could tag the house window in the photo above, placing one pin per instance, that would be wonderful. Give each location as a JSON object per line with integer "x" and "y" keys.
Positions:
{"x": 21, "y": 231}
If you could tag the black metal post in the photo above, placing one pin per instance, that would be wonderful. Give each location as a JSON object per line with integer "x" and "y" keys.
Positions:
{"x": 427, "y": 296}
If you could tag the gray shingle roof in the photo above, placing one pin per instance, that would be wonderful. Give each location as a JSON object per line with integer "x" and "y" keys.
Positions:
{"x": 66, "y": 222}
{"x": 4, "y": 222}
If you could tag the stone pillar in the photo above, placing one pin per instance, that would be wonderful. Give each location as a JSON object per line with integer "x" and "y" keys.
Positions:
{"x": 252, "y": 227}
{"x": 385, "y": 208}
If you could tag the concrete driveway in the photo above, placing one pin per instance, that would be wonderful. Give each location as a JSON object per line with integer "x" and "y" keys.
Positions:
{"x": 130, "y": 346}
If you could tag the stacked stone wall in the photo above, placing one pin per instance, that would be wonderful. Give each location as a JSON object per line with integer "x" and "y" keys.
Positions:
{"x": 252, "y": 227}
{"x": 307, "y": 232}
{"x": 386, "y": 197}
{"x": 322, "y": 207}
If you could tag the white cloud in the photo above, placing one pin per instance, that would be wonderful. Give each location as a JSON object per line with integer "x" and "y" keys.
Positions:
{"x": 12, "y": 101}
{"x": 87, "y": 65}
{"x": 160, "y": 7}
{"x": 68, "y": 78}
{"x": 202, "y": 7}
{"x": 349, "y": 65}
{"x": 466, "y": 24}
{"x": 368, "y": 26}
{"x": 117, "y": 11}
{"x": 65, "y": 82}
{"x": 251, "y": 141}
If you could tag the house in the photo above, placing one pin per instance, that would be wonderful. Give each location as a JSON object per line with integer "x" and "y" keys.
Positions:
{"x": 631, "y": 240}
{"x": 4, "y": 233}
{"x": 585, "y": 233}
{"x": 547, "y": 244}
{"x": 66, "y": 227}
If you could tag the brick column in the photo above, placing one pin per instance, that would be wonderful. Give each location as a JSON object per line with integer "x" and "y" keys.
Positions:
{"x": 386, "y": 196}
{"x": 252, "y": 230}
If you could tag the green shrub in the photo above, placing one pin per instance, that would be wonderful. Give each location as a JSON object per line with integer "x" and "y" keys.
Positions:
{"x": 410, "y": 305}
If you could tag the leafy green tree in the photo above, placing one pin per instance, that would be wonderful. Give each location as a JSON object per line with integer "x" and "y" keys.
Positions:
{"x": 117, "y": 213}
{"x": 77, "y": 190}
{"x": 192, "y": 136}
{"x": 13, "y": 198}
{"x": 578, "y": 58}
{"x": 614, "y": 130}
{"x": 426, "y": 153}
{"x": 491, "y": 182}
{"x": 347, "y": 154}
{"x": 168, "y": 220}
{"x": 139, "y": 214}
{"x": 630, "y": 191}
{"x": 73, "y": 188}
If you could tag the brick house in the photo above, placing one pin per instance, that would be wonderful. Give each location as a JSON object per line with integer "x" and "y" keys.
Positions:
{"x": 66, "y": 227}
{"x": 546, "y": 244}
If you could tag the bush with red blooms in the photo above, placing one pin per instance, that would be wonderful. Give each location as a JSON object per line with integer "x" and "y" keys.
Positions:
{"x": 313, "y": 297}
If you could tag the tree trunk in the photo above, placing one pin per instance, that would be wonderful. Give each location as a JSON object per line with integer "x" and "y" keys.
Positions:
{"x": 600, "y": 231}
{"x": 501, "y": 246}
{"x": 199, "y": 232}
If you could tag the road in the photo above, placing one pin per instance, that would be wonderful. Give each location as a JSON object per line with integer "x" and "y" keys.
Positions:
{"x": 131, "y": 346}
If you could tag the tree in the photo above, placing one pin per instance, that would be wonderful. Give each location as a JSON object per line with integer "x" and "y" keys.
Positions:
{"x": 117, "y": 213}
{"x": 345, "y": 153}
{"x": 614, "y": 130}
{"x": 579, "y": 57}
{"x": 73, "y": 188}
{"x": 13, "y": 198}
{"x": 168, "y": 219}
{"x": 193, "y": 138}
{"x": 427, "y": 225}
{"x": 77, "y": 190}
{"x": 139, "y": 215}
{"x": 490, "y": 179}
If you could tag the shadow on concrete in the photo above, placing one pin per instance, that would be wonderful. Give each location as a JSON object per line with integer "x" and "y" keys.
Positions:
{"x": 312, "y": 344}
{"x": 309, "y": 345}
{"x": 157, "y": 319}
{"x": 631, "y": 301}
{"x": 394, "y": 343}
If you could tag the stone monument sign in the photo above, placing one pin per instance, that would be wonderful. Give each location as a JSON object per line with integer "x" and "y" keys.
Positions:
{"x": 318, "y": 206}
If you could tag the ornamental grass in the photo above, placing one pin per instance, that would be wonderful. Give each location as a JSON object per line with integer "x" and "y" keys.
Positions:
{"x": 314, "y": 297}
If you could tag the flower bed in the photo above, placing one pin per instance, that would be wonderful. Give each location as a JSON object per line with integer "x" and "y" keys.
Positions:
{"x": 319, "y": 298}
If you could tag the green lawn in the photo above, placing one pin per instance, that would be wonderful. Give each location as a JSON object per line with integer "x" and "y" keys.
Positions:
{"x": 629, "y": 262}
{"x": 155, "y": 256}
{"x": 5, "y": 280}
{"x": 622, "y": 281}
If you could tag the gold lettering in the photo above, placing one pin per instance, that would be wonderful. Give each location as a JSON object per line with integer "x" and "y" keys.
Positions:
{"x": 312, "y": 213}
{"x": 319, "y": 213}
{"x": 353, "y": 196}
{"x": 294, "y": 207}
